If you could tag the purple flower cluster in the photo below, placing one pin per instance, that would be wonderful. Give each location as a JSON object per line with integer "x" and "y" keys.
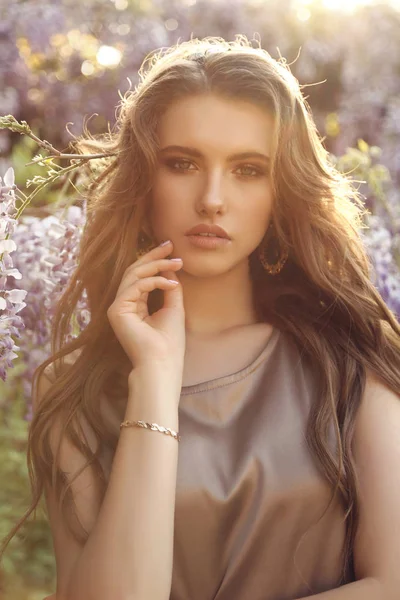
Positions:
{"x": 11, "y": 299}
{"x": 46, "y": 258}
{"x": 382, "y": 247}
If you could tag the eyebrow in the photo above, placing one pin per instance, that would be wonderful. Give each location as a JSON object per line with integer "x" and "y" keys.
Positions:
{"x": 197, "y": 154}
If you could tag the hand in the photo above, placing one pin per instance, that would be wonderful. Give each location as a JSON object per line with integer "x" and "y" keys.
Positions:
{"x": 159, "y": 338}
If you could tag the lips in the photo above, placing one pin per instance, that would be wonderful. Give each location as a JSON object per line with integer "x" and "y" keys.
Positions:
{"x": 213, "y": 229}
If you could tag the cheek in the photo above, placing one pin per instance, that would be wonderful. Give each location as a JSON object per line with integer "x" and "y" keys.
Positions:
{"x": 256, "y": 220}
{"x": 170, "y": 194}
{"x": 168, "y": 213}
{"x": 258, "y": 211}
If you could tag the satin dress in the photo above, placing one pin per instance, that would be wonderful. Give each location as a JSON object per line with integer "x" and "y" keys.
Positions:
{"x": 249, "y": 493}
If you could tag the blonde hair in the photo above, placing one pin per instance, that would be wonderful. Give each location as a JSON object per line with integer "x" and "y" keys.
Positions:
{"x": 323, "y": 297}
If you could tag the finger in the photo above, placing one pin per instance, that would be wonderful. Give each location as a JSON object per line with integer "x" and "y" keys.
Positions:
{"x": 156, "y": 266}
{"x": 173, "y": 297}
{"x": 157, "y": 252}
{"x": 147, "y": 270}
{"x": 127, "y": 301}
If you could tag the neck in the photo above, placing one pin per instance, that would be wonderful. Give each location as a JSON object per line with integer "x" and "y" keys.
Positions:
{"x": 219, "y": 303}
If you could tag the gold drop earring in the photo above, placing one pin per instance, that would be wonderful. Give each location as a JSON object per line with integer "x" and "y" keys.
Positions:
{"x": 272, "y": 247}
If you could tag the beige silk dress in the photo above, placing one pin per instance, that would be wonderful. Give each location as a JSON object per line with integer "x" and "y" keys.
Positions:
{"x": 248, "y": 487}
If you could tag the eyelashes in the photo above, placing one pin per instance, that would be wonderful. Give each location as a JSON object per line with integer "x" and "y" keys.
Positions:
{"x": 257, "y": 171}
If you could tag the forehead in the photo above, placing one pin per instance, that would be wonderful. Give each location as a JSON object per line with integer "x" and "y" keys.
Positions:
{"x": 211, "y": 122}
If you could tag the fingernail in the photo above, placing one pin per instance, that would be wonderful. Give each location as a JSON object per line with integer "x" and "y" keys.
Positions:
{"x": 165, "y": 243}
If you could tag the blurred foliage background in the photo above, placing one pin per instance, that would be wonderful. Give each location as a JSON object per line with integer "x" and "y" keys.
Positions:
{"x": 62, "y": 64}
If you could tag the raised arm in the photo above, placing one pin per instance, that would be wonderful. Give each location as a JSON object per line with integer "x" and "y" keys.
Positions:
{"x": 128, "y": 554}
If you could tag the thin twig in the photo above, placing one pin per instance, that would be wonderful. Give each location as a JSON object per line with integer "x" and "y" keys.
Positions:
{"x": 10, "y": 122}
{"x": 39, "y": 187}
{"x": 69, "y": 157}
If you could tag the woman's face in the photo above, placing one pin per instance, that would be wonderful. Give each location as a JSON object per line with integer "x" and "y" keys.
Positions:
{"x": 205, "y": 184}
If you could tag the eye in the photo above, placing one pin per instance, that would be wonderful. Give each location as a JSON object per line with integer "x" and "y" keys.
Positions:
{"x": 257, "y": 172}
{"x": 174, "y": 161}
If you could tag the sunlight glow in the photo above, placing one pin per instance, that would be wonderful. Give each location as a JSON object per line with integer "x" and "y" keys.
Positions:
{"x": 347, "y": 5}
{"x": 338, "y": 5}
{"x": 303, "y": 13}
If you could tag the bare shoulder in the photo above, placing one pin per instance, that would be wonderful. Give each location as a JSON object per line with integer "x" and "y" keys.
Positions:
{"x": 377, "y": 422}
{"x": 377, "y": 398}
{"x": 45, "y": 382}
{"x": 377, "y": 455}
{"x": 110, "y": 414}
{"x": 377, "y": 391}
{"x": 68, "y": 359}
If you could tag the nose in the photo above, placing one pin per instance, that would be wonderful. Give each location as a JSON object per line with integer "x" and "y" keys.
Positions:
{"x": 211, "y": 199}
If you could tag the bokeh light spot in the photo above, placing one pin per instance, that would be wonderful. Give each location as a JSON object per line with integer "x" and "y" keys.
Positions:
{"x": 108, "y": 56}
{"x": 121, "y": 4}
{"x": 123, "y": 29}
{"x": 171, "y": 24}
{"x": 87, "y": 68}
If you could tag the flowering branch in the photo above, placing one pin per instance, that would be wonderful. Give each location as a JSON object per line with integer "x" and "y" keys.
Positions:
{"x": 11, "y": 123}
{"x": 12, "y": 297}
{"x": 54, "y": 172}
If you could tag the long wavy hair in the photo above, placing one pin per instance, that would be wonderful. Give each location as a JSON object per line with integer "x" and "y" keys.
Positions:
{"x": 323, "y": 297}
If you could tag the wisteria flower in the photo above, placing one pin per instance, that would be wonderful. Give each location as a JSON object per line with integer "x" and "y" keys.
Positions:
{"x": 11, "y": 300}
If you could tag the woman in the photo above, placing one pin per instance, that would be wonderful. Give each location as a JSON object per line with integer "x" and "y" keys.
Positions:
{"x": 265, "y": 352}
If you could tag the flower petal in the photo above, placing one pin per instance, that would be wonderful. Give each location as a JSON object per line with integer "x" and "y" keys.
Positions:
{"x": 16, "y": 296}
{"x": 9, "y": 178}
{"x": 7, "y": 246}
